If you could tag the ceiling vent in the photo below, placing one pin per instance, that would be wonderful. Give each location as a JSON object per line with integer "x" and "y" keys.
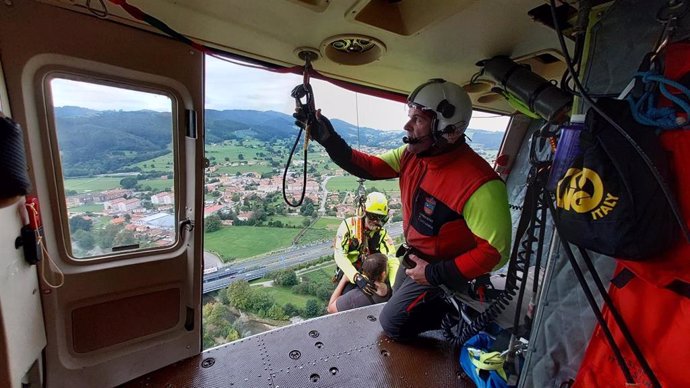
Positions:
{"x": 404, "y": 17}
{"x": 352, "y": 49}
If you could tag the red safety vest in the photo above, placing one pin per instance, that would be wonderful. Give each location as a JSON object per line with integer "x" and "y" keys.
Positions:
{"x": 435, "y": 190}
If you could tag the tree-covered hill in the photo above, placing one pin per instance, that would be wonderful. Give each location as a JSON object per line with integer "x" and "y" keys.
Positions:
{"x": 97, "y": 142}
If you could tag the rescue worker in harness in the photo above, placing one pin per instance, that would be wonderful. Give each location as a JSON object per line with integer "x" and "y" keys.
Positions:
{"x": 360, "y": 236}
{"x": 456, "y": 219}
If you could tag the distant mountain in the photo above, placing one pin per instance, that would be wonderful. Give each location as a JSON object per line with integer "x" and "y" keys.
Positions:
{"x": 119, "y": 139}
{"x": 75, "y": 111}
{"x": 271, "y": 125}
{"x": 490, "y": 140}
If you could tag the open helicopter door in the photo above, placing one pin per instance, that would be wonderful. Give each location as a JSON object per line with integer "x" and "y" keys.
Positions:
{"x": 120, "y": 188}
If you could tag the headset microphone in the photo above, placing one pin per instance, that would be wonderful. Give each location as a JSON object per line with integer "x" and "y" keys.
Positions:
{"x": 413, "y": 140}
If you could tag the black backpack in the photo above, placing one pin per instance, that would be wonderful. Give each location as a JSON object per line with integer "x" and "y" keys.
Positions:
{"x": 609, "y": 201}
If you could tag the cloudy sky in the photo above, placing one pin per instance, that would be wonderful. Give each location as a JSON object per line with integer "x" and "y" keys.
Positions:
{"x": 230, "y": 86}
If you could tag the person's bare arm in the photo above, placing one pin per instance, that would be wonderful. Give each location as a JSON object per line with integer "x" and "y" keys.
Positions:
{"x": 336, "y": 294}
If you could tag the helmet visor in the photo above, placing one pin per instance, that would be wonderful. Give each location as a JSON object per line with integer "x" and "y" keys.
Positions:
{"x": 380, "y": 218}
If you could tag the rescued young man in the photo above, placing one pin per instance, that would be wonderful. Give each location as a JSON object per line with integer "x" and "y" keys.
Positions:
{"x": 374, "y": 268}
{"x": 456, "y": 218}
{"x": 352, "y": 245}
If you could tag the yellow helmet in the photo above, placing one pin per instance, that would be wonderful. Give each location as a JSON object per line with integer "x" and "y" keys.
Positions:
{"x": 376, "y": 203}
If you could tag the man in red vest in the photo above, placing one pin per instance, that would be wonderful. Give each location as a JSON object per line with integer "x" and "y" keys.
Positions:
{"x": 455, "y": 208}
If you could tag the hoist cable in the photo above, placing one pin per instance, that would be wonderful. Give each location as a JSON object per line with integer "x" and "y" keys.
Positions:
{"x": 287, "y": 165}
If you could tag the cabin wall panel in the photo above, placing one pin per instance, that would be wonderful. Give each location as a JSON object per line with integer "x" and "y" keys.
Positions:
{"x": 22, "y": 335}
{"x": 34, "y": 36}
{"x": 109, "y": 323}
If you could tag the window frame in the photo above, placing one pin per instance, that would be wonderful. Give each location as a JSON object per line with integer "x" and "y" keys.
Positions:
{"x": 63, "y": 237}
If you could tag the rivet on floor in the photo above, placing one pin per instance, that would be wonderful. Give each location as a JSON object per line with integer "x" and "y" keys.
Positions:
{"x": 295, "y": 354}
{"x": 208, "y": 362}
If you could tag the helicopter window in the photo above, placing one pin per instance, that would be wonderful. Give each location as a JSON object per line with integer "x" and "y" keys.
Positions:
{"x": 117, "y": 167}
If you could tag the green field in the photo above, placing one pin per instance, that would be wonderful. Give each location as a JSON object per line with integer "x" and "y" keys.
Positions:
{"x": 312, "y": 235}
{"x": 323, "y": 229}
{"x": 158, "y": 184}
{"x": 232, "y": 152}
{"x": 288, "y": 220}
{"x": 320, "y": 275}
{"x": 94, "y": 208}
{"x": 284, "y": 295}
{"x": 161, "y": 163}
{"x": 349, "y": 183}
{"x": 97, "y": 184}
{"x": 85, "y": 185}
{"x": 330, "y": 223}
{"x": 232, "y": 170}
{"x": 236, "y": 242}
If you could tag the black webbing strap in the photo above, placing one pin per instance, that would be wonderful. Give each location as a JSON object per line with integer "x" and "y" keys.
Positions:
{"x": 619, "y": 319}
{"x": 525, "y": 226}
{"x": 598, "y": 314}
{"x": 680, "y": 287}
{"x": 623, "y": 277}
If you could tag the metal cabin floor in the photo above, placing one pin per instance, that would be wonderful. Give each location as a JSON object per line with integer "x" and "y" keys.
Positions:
{"x": 342, "y": 350}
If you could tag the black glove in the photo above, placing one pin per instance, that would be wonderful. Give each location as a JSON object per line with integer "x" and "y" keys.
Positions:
{"x": 364, "y": 284}
{"x": 445, "y": 272}
{"x": 403, "y": 253}
{"x": 320, "y": 129}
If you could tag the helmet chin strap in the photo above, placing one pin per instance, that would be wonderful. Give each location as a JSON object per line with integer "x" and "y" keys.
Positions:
{"x": 441, "y": 146}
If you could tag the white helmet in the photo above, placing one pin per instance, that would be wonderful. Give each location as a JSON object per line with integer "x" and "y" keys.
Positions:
{"x": 450, "y": 103}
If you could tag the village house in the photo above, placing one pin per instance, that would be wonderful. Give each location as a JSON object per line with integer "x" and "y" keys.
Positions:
{"x": 164, "y": 198}
{"x": 245, "y": 216}
{"x": 109, "y": 195}
{"x": 208, "y": 210}
{"x": 121, "y": 205}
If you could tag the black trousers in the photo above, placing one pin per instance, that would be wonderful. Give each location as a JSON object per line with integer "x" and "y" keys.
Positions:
{"x": 413, "y": 308}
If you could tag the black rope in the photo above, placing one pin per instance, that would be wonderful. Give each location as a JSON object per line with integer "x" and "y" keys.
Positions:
{"x": 518, "y": 267}
{"x": 13, "y": 174}
{"x": 285, "y": 172}
{"x": 540, "y": 220}
{"x": 308, "y": 110}
{"x": 619, "y": 319}
{"x": 593, "y": 304}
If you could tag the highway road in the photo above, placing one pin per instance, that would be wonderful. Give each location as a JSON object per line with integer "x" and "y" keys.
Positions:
{"x": 257, "y": 267}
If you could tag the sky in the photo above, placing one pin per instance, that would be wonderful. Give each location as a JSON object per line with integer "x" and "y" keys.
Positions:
{"x": 231, "y": 86}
